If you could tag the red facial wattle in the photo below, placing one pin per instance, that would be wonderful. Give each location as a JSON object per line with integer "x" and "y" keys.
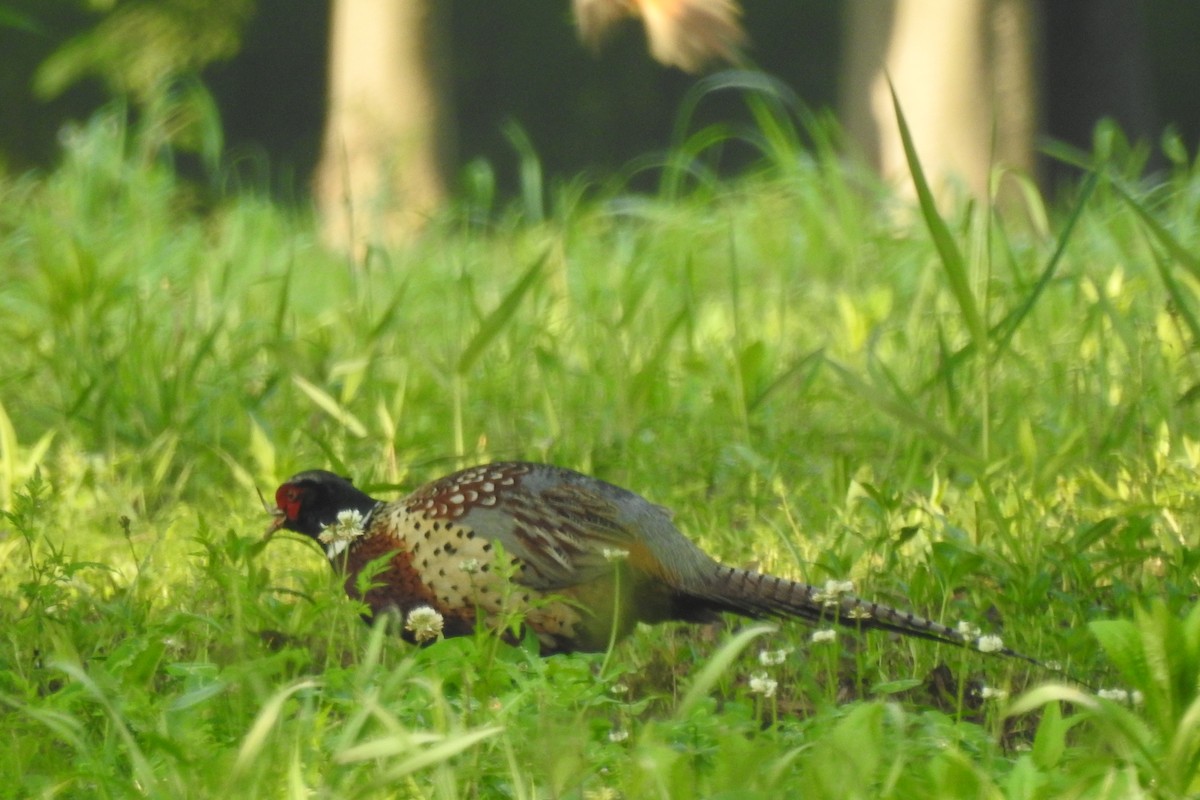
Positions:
{"x": 288, "y": 498}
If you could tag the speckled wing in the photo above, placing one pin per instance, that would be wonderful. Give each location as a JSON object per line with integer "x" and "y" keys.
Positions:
{"x": 562, "y": 533}
{"x": 565, "y": 535}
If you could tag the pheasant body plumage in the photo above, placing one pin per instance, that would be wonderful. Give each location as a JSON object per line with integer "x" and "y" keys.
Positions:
{"x": 580, "y": 559}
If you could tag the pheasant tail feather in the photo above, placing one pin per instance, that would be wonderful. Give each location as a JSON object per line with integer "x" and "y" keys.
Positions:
{"x": 758, "y": 594}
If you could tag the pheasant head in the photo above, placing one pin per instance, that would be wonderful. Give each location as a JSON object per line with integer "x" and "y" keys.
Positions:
{"x": 323, "y": 505}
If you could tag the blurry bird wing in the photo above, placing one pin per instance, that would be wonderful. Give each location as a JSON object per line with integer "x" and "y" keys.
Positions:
{"x": 595, "y": 18}
{"x": 682, "y": 33}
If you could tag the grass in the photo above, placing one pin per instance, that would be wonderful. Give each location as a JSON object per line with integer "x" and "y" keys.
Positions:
{"x": 991, "y": 423}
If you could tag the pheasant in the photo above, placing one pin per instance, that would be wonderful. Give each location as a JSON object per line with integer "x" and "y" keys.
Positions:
{"x": 682, "y": 33}
{"x": 581, "y": 559}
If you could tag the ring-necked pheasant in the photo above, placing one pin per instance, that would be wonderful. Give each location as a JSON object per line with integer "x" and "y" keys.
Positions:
{"x": 579, "y": 555}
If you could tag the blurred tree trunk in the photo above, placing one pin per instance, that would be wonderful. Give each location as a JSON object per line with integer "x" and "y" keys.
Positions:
{"x": 388, "y": 135}
{"x": 960, "y": 68}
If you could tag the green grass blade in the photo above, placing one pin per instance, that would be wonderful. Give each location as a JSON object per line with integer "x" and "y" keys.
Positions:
{"x": 443, "y": 750}
{"x": 1003, "y": 332}
{"x": 256, "y": 737}
{"x": 529, "y": 168}
{"x": 651, "y": 372}
{"x": 66, "y": 727}
{"x": 332, "y": 407}
{"x": 720, "y": 662}
{"x": 283, "y": 303}
{"x": 806, "y": 365}
{"x": 684, "y": 163}
{"x": 388, "y": 317}
{"x": 138, "y": 761}
{"x": 1187, "y": 258}
{"x": 903, "y": 412}
{"x": 494, "y": 323}
{"x": 1183, "y": 303}
{"x": 951, "y": 257}
{"x": 8, "y": 458}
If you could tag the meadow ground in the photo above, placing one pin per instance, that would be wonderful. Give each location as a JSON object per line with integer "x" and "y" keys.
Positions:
{"x": 988, "y": 417}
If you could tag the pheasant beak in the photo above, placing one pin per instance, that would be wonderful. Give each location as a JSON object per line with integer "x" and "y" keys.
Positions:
{"x": 278, "y": 514}
{"x": 276, "y": 523}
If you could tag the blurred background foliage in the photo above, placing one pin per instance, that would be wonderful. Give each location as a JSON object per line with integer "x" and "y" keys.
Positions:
{"x": 263, "y": 66}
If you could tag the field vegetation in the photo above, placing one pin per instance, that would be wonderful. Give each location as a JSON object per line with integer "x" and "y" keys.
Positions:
{"x": 985, "y": 414}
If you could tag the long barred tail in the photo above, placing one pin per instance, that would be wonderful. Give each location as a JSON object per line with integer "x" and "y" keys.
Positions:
{"x": 756, "y": 594}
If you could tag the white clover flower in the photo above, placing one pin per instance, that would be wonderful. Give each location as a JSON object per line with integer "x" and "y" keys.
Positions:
{"x": 469, "y": 565}
{"x": 618, "y": 735}
{"x": 1122, "y": 696}
{"x": 338, "y": 535}
{"x": 831, "y": 593}
{"x": 618, "y": 688}
{"x": 761, "y": 683}
{"x": 827, "y": 635}
{"x": 835, "y": 588}
{"x": 424, "y": 623}
{"x": 967, "y": 630}
{"x": 858, "y": 612}
{"x": 990, "y": 693}
{"x": 990, "y": 644}
{"x": 771, "y": 658}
